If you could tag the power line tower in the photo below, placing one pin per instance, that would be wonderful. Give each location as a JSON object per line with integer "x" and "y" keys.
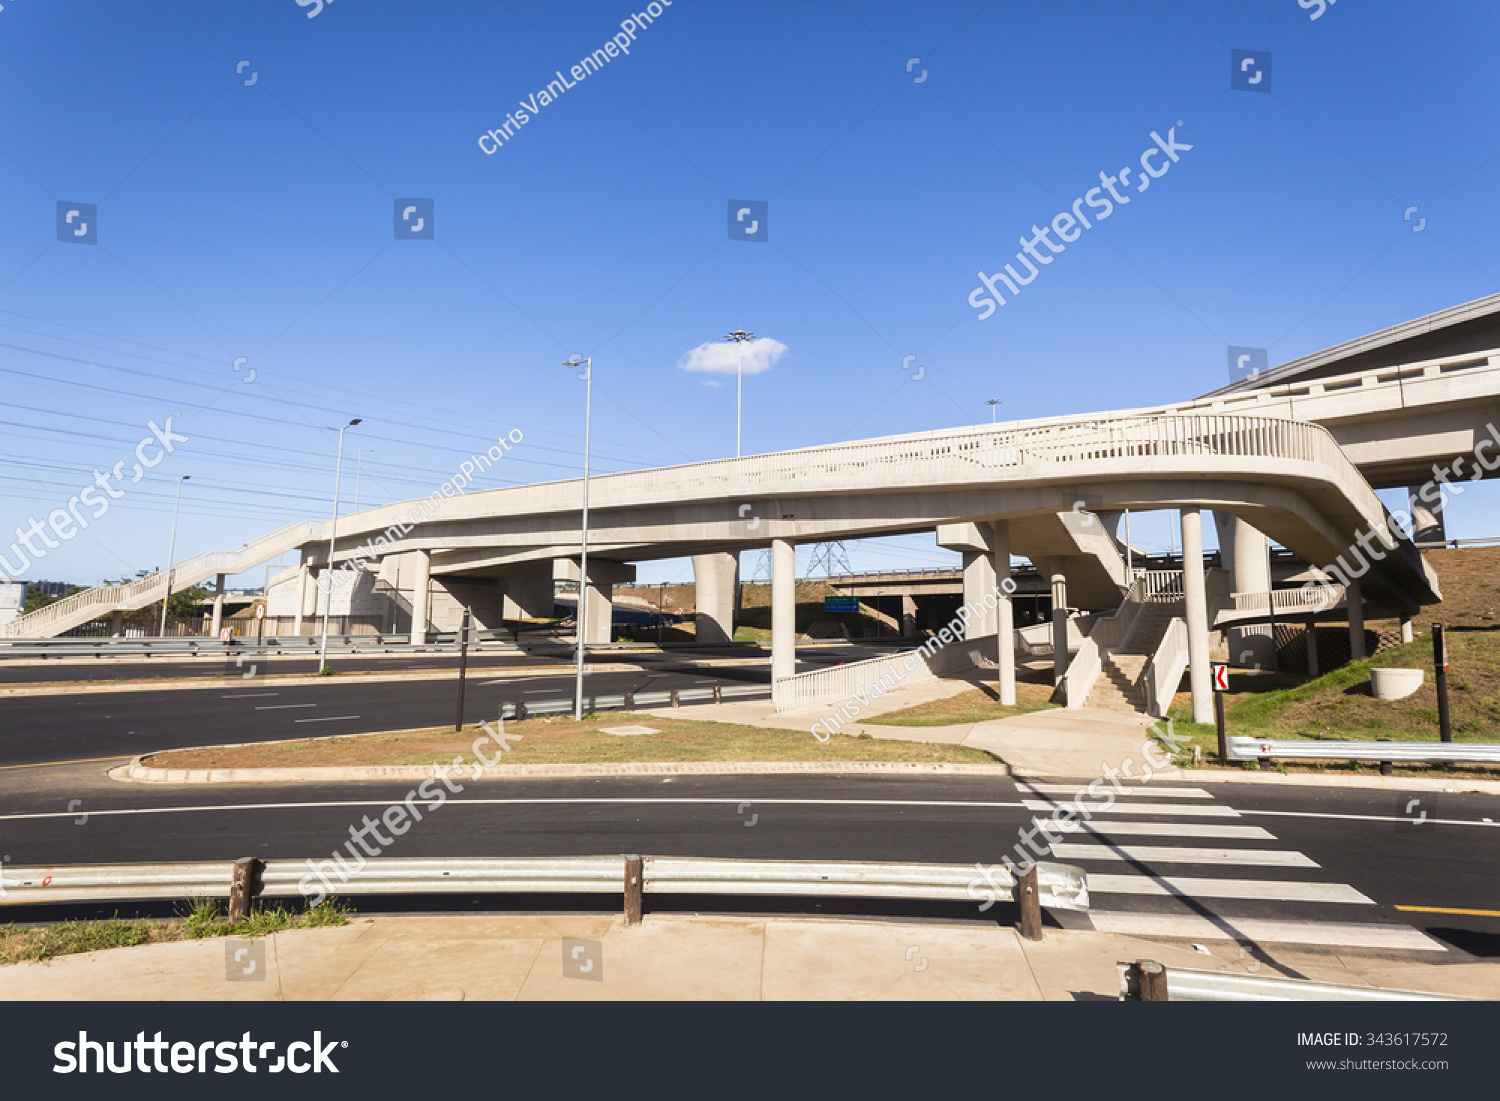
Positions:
{"x": 832, "y": 557}
{"x": 762, "y": 566}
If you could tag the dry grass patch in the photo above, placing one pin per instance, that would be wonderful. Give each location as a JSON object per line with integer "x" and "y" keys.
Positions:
{"x": 563, "y": 741}
{"x": 974, "y": 706}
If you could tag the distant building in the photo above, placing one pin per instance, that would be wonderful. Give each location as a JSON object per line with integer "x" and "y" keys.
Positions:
{"x": 48, "y": 588}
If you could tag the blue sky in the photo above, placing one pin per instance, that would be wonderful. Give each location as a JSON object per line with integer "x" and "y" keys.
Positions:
{"x": 257, "y": 221}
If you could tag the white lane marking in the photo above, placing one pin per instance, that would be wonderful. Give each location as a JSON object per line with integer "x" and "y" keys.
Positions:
{"x": 281, "y": 706}
{"x": 1072, "y": 790}
{"x": 504, "y": 802}
{"x": 1178, "y": 829}
{"x": 1213, "y": 811}
{"x": 1172, "y": 854}
{"x": 1191, "y": 926}
{"x": 326, "y": 719}
{"x": 1271, "y": 890}
{"x": 1370, "y": 817}
{"x": 248, "y": 695}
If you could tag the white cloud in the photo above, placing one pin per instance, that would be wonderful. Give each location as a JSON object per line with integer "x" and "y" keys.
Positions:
{"x": 722, "y": 358}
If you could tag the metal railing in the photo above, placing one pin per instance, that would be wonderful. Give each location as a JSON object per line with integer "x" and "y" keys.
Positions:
{"x": 1298, "y": 601}
{"x": 1258, "y": 749}
{"x": 633, "y": 701}
{"x": 1182, "y": 984}
{"x": 1059, "y": 886}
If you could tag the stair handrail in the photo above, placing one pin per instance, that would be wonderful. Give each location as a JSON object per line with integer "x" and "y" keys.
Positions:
{"x": 1163, "y": 673}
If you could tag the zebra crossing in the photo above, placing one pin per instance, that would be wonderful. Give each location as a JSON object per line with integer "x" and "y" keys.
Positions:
{"x": 1172, "y": 862}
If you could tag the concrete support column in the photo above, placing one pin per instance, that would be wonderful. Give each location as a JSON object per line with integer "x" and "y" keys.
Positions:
{"x": 218, "y": 619}
{"x": 1245, "y": 553}
{"x": 1407, "y": 635}
{"x": 1004, "y": 618}
{"x": 420, "y": 582}
{"x": 714, "y": 580}
{"x": 1059, "y": 582}
{"x": 1426, "y": 519}
{"x": 599, "y": 620}
{"x": 908, "y": 615}
{"x": 979, "y": 582}
{"x": 1312, "y": 647}
{"x": 302, "y": 572}
{"x": 1195, "y": 600}
{"x": 1356, "y": 622}
{"x": 116, "y": 624}
{"x": 528, "y": 597}
{"x": 783, "y": 610}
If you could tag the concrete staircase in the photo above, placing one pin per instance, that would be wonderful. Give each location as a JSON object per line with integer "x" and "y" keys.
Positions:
{"x": 1120, "y": 686}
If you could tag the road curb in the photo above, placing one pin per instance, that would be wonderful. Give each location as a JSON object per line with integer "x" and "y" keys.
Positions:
{"x": 1309, "y": 779}
{"x": 136, "y": 772}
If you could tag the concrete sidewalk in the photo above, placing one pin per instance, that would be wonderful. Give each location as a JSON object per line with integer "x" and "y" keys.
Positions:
{"x": 670, "y": 957}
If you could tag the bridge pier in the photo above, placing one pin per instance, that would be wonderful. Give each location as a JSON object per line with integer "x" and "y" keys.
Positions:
{"x": 528, "y": 597}
{"x": 218, "y": 619}
{"x": 1407, "y": 634}
{"x": 421, "y": 581}
{"x": 1005, "y": 638}
{"x": 1427, "y": 524}
{"x": 302, "y": 572}
{"x": 1356, "y": 605}
{"x": 1195, "y": 600}
{"x": 714, "y": 577}
{"x": 1245, "y": 553}
{"x": 596, "y": 603}
{"x": 117, "y": 624}
{"x": 1059, "y": 582}
{"x": 783, "y": 610}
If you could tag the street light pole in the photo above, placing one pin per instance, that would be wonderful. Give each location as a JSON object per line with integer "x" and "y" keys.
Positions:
{"x": 332, "y": 535}
{"x": 171, "y": 553}
{"x": 580, "y": 617}
{"x": 993, "y": 403}
{"x": 739, "y": 336}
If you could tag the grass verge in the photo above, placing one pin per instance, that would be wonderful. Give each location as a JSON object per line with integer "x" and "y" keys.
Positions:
{"x": 42, "y": 942}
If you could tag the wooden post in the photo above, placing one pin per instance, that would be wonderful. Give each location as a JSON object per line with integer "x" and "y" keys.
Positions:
{"x": 718, "y": 695}
{"x": 675, "y": 702}
{"x": 520, "y": 711}
{"x": 1030, "y": 902}
{"x": 633, "y": 885}
{"x": 1153, "y": 978}
{"x": 243, "y": 887}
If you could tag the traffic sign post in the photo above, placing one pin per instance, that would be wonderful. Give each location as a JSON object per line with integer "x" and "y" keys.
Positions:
{"x": 260, "y": 623}
{"x": 1221, "y": 685}
{"x": 1440, "y": 674}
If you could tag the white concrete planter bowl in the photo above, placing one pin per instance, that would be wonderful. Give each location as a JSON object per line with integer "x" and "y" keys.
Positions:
{"x": 1395, "y": 684}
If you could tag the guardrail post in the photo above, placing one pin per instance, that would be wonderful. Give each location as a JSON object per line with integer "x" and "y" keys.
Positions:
{"x": 1030, "y": 901}
{"x": 1153, "y": 981}
{"x": 1385, "y": 766}
{"x": 718, "y": 696}
{"x": 675, "y": 702}
{"x": 243, "y": 886}
{"x": 634, "y": 883}
{"x": 629, "y": 701}
{"x": 520, "y": 711}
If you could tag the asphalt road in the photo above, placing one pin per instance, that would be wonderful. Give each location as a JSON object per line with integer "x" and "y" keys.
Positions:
{"x": 67, "y": 726}
{"x": 1352, "y": 837}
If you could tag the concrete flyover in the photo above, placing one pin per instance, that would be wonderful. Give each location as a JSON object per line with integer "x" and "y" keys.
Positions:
{"x": 1030, "y": 490}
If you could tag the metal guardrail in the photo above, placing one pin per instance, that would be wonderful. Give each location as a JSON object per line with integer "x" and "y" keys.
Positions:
{"x": 1257, "y": 749}
{"x": 632, "y": 701}
{"x": 1060, "y": 886}
{"x": 1181, "y": 984}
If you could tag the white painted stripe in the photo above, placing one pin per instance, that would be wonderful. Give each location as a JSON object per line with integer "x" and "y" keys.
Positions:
{"x": 281, "y": 706}
{"x": 1173, "y": 854}
{"x": 499, "y": 802}
{"x": 326, "y": 719}
{"x": 1272, "y": 890}
{"x": 1212, "y": 811}
{"x": 1261, "y": 931}
{"x": 1371, "y": 817}
{"x": 1072, "y": 790}
{"x": 1178, "y": 829}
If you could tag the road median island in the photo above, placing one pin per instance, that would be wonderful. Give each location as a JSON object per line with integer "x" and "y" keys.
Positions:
{"x": 550, "y": 746}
